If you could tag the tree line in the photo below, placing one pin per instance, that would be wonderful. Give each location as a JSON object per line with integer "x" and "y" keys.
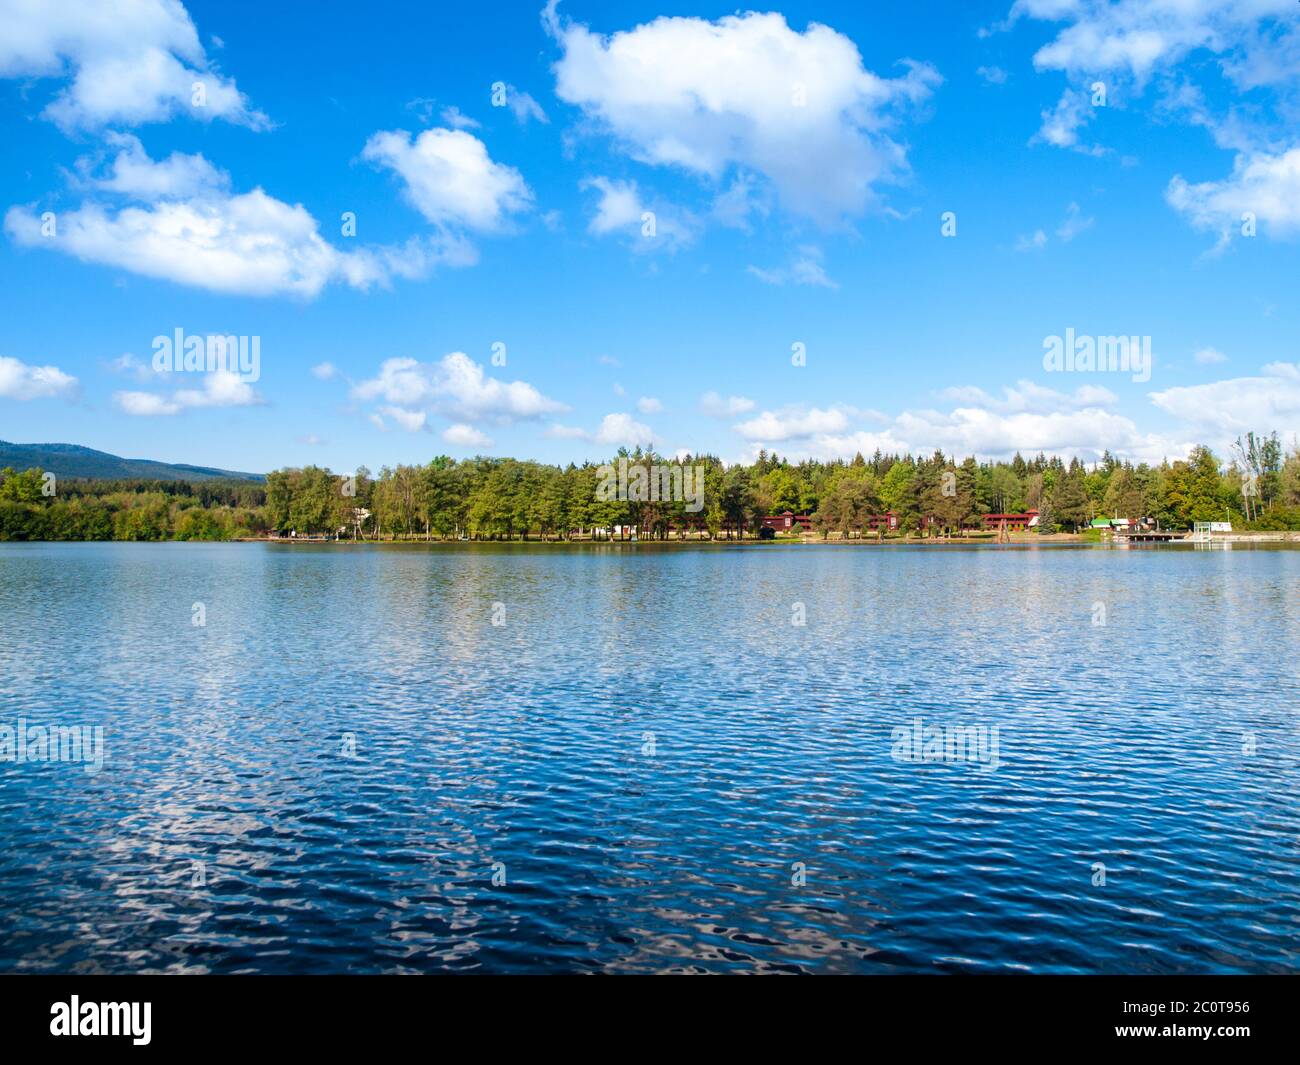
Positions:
{"x": 485, "y": 498}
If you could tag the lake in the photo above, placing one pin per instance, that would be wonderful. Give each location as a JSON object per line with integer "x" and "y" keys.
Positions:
{"x": 640, "y": 759}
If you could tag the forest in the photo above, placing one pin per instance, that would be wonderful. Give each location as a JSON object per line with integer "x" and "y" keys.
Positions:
{"x": 485, "y": 498}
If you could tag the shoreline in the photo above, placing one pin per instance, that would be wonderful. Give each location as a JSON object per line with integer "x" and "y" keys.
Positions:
{"x": 1052, "y": 539}
{"x": 897, "y": 541}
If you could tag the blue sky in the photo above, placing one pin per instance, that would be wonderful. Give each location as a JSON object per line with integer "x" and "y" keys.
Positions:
{"x": 797, "y": 160}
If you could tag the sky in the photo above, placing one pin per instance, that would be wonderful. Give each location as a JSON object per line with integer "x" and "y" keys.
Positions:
{"x": 551, "y": 231}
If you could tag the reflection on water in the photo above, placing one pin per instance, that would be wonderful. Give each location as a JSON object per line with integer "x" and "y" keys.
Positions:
{"x": 647, "y": 766}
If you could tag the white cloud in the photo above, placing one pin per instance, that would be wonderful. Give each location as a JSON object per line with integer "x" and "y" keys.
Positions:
{"x": 1074, "y": 224}
{"x": 324, "y": 371}
{"x": 450, "y": 178}
{"x": 1029, "y": 418}
{"x": 619, "y": 207}
{"x": 805, "y": 269}
{"x": 129, "y": 364}
{"x": 1128, "y": 44}
{"x": 145, "y": 404}
{"x": 743, "y": 198}
{"x": 989, "y": 434}
{"x": 1087, "y": 433}
{"x": 1266, "y": 186}
{"x": 794, "y": 423}
{"x": 453, "y": 117}
{"x": 219, "y": 389}
{"x": 717, "y": 406}
{"x": 132, "y": 173}
{"x": 466, "y": 436}
{"x": 457, "y": 387}
{"x": 1140, "y": 38}
{"x": 128, "y": 62}
{"x": 1209, "y": 356}
{"x": 1025, "y": 395}
{"x": 649, "y": 405}
{"x": 18, "y": 380}
{"x": 993, "y": 75}
{"x": 1038, "y": 239}
{"x": 615, "y": 430}
{"x": 193, "y": 232}
{"x": 653, "y": 226}
{"x": 524, "y": 107}
{"x": 410, "y": 420}
{"x": 745, "y": 92}
{"x": 1240, "y": 404}
{"x": 1061, "y": 125}
{"x": 567, "y": 432}
{"x": 621, "y": 430}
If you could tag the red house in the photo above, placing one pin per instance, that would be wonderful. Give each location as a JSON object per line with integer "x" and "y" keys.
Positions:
{"x": 787, "y": 521}
{"x": 1015, "y": 522}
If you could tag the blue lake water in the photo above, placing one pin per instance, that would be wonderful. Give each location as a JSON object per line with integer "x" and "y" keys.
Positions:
{"x": 659, "y": 768}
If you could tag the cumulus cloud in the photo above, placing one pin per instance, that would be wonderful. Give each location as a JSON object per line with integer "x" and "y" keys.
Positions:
{"x": 567, "y": 432}
{"x": 124, "y": 63}
{"x": 324, "y": 371}
{"x": 718, "y": 406}
{"x": 1261, "y": 185}
{"x": 620, "y": 430}
{"x": 746, "y": 92}
{"x": 466, "y": 436}
{"x": 219, "y": 389}
{"x": 133, "y": 174}
{"x": 1087, "y": 433}
{"x": 449, "y": 177}
{"x": 794, "y": 423}
{"x": 649, "y": 405}
{"x": 456, "y": 387}
{"x": 18, "y": 380}
{"x": 615, "y": 430}
{"x": 1240, "y": 404}
{"x": 410, "y": 420}
{"x": 1026, "y": 395}
{"x": 1028, "y": 418}
{"x": 191, "y": 230}
{"x": 620, "y": 210}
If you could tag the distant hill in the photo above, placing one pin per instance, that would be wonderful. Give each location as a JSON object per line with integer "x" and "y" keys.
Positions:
{"x": 73, "y": 460}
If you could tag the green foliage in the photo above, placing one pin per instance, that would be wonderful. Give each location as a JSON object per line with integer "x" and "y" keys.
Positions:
{"x": 503, "y": 498}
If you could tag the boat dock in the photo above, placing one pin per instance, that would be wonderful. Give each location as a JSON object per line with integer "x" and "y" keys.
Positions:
{"x": 1150, "y": 536}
